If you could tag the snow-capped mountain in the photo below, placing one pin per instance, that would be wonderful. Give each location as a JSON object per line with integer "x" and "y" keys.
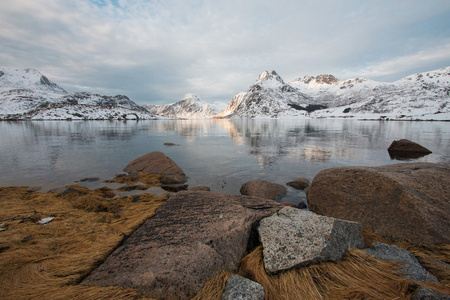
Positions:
{"x": 271, "y": 97}
{"x": 422, "y": 96}
{"x": 27, "y": 94}
{"x": 190, "y": 107}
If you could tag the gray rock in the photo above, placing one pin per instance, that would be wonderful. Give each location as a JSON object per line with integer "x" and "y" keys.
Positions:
{"x": 299, "y": 183}
{"x": 424, "y": 293}
{"x": 157, "y": 163}
{"x": 263, "y": 189}
{"x": 238, "y": 287}
{"x": 412, "y": 268}
{"x": 192, "y": 237}
{"x": 293, "y": 238}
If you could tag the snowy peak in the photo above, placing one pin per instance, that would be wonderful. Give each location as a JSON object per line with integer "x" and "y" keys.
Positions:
{"x": 269, "y": 76}
{"x": 190, "y": 107}
{"x": 323, "y": 79}
{"x": 326, "y": 79}
{"x": 27, "y": 79}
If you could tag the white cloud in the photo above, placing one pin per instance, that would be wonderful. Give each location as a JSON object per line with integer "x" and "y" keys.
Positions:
{"x": 160, "y": 50}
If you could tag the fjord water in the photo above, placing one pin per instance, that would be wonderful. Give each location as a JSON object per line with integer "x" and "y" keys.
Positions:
{"x": 221, "y": 154}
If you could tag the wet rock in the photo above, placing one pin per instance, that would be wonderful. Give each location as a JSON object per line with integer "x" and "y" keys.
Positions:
{"x": 89, "y": 179}
{"x": 200, "y": 188}
{"x": 263, "y": 189}
{"x": 401, "y": 202}
{"x": 294, "y": 237}
{"x": 405, "y": 149}
{"x": 238, "y": 287}
{"x": 71, "y": 190}
{"x": 192, "y": 237}
{"x": 174, "y": 187}
{"x": 302, "y": 205}
{"x": 157, "y": 163}
{"x": 299, "y": 183}
{"x": 170, "y": 144}
{"x": 412, "y": 268}
{"x": 289, "y": 204}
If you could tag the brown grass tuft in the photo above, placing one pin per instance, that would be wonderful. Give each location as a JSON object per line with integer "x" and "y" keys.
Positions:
{"x": 213, "y": 289}
{"x": 49, "y": 261}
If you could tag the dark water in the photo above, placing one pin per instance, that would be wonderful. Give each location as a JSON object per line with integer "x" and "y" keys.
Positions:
{"x": 221, "y": 154}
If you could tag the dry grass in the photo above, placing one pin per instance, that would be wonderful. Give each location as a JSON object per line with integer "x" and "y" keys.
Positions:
{"x": 213, "y": 289}
{"x": 50, "y": 260}
{"x": 357, "y": 276}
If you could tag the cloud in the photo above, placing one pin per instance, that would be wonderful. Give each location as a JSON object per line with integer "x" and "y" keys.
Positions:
{"x": 157, "y": 51}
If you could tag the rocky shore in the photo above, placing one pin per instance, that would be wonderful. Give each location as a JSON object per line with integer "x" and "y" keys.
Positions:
{"x": 369, "y": 233}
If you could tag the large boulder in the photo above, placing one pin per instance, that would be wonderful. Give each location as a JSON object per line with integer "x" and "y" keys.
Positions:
{"x": 401, "y": 202}
{"x": 158, "y": 163}
{"x": 263, "y": 189}
{"x": 294, "y": 237}
{"x": 405, "y": 149}
{"x": 192, "y": 237}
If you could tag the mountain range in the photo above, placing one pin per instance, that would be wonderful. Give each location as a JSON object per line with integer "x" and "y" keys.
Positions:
{"x": 27, "y": 94}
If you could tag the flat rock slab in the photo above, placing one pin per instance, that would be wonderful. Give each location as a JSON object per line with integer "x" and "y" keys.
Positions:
{"x": 192, "y": 237}
{"x": 402, "y": 202}
{"x": 158, "y": 163}
{"x": 263, "y": 189}
{"x": 294, "y": 238}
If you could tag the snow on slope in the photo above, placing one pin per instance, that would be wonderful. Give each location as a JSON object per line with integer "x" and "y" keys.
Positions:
{"x": 27, "y": 94}
{"x": 269, "y": 97}
{"x": 190, "y": 107}
{"x": 418, "y": 96}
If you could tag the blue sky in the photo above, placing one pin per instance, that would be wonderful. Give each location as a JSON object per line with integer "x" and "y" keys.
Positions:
{"x": 158, "y": 51}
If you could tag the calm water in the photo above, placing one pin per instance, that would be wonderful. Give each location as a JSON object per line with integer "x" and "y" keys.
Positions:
{"x": 221, "y": 154}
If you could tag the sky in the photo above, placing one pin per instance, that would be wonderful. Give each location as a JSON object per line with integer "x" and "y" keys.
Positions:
{"x": 156, "y": 52}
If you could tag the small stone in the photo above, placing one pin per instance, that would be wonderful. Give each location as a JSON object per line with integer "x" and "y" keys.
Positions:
{"x": 299, "y": 183}
{"x": 200, "y": 188}
{"x": 263, "y": 189}
{"x": 174, "y": 187}
{"x": 238, "y": 287}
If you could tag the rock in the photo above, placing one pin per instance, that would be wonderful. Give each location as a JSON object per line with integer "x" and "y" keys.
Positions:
{"x": 192, "y": 237}
{"x": 302, "y": 205}
{"x": 405, "y": 149}
{"x": 412, "y": 268}
{"x": 89, "y": 179}
{"x": 157, "y": 163}
{"x": 174, "y": 187}
{"x": 424, "y": 293}
{"x": 289, "y": 204}
{"x": 401, "y": 202}
{"x": 299, "y": 183}
{"x": 238, "y": 287}
{"x": 294, "y": 238}
{"x": 200, "y": 188}
{"x": 263, "y": 189}
{"x": 70, "y": 190}
{"x": 170, "y": 144}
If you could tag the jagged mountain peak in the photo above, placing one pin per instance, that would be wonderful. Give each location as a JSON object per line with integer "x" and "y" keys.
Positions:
{"x": 269, "y": 75}
{"x": 326, "y": 79}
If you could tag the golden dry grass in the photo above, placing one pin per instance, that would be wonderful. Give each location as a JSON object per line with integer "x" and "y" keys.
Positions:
{"x": 357, "y": 276}
{"x": 49, "y": 261}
